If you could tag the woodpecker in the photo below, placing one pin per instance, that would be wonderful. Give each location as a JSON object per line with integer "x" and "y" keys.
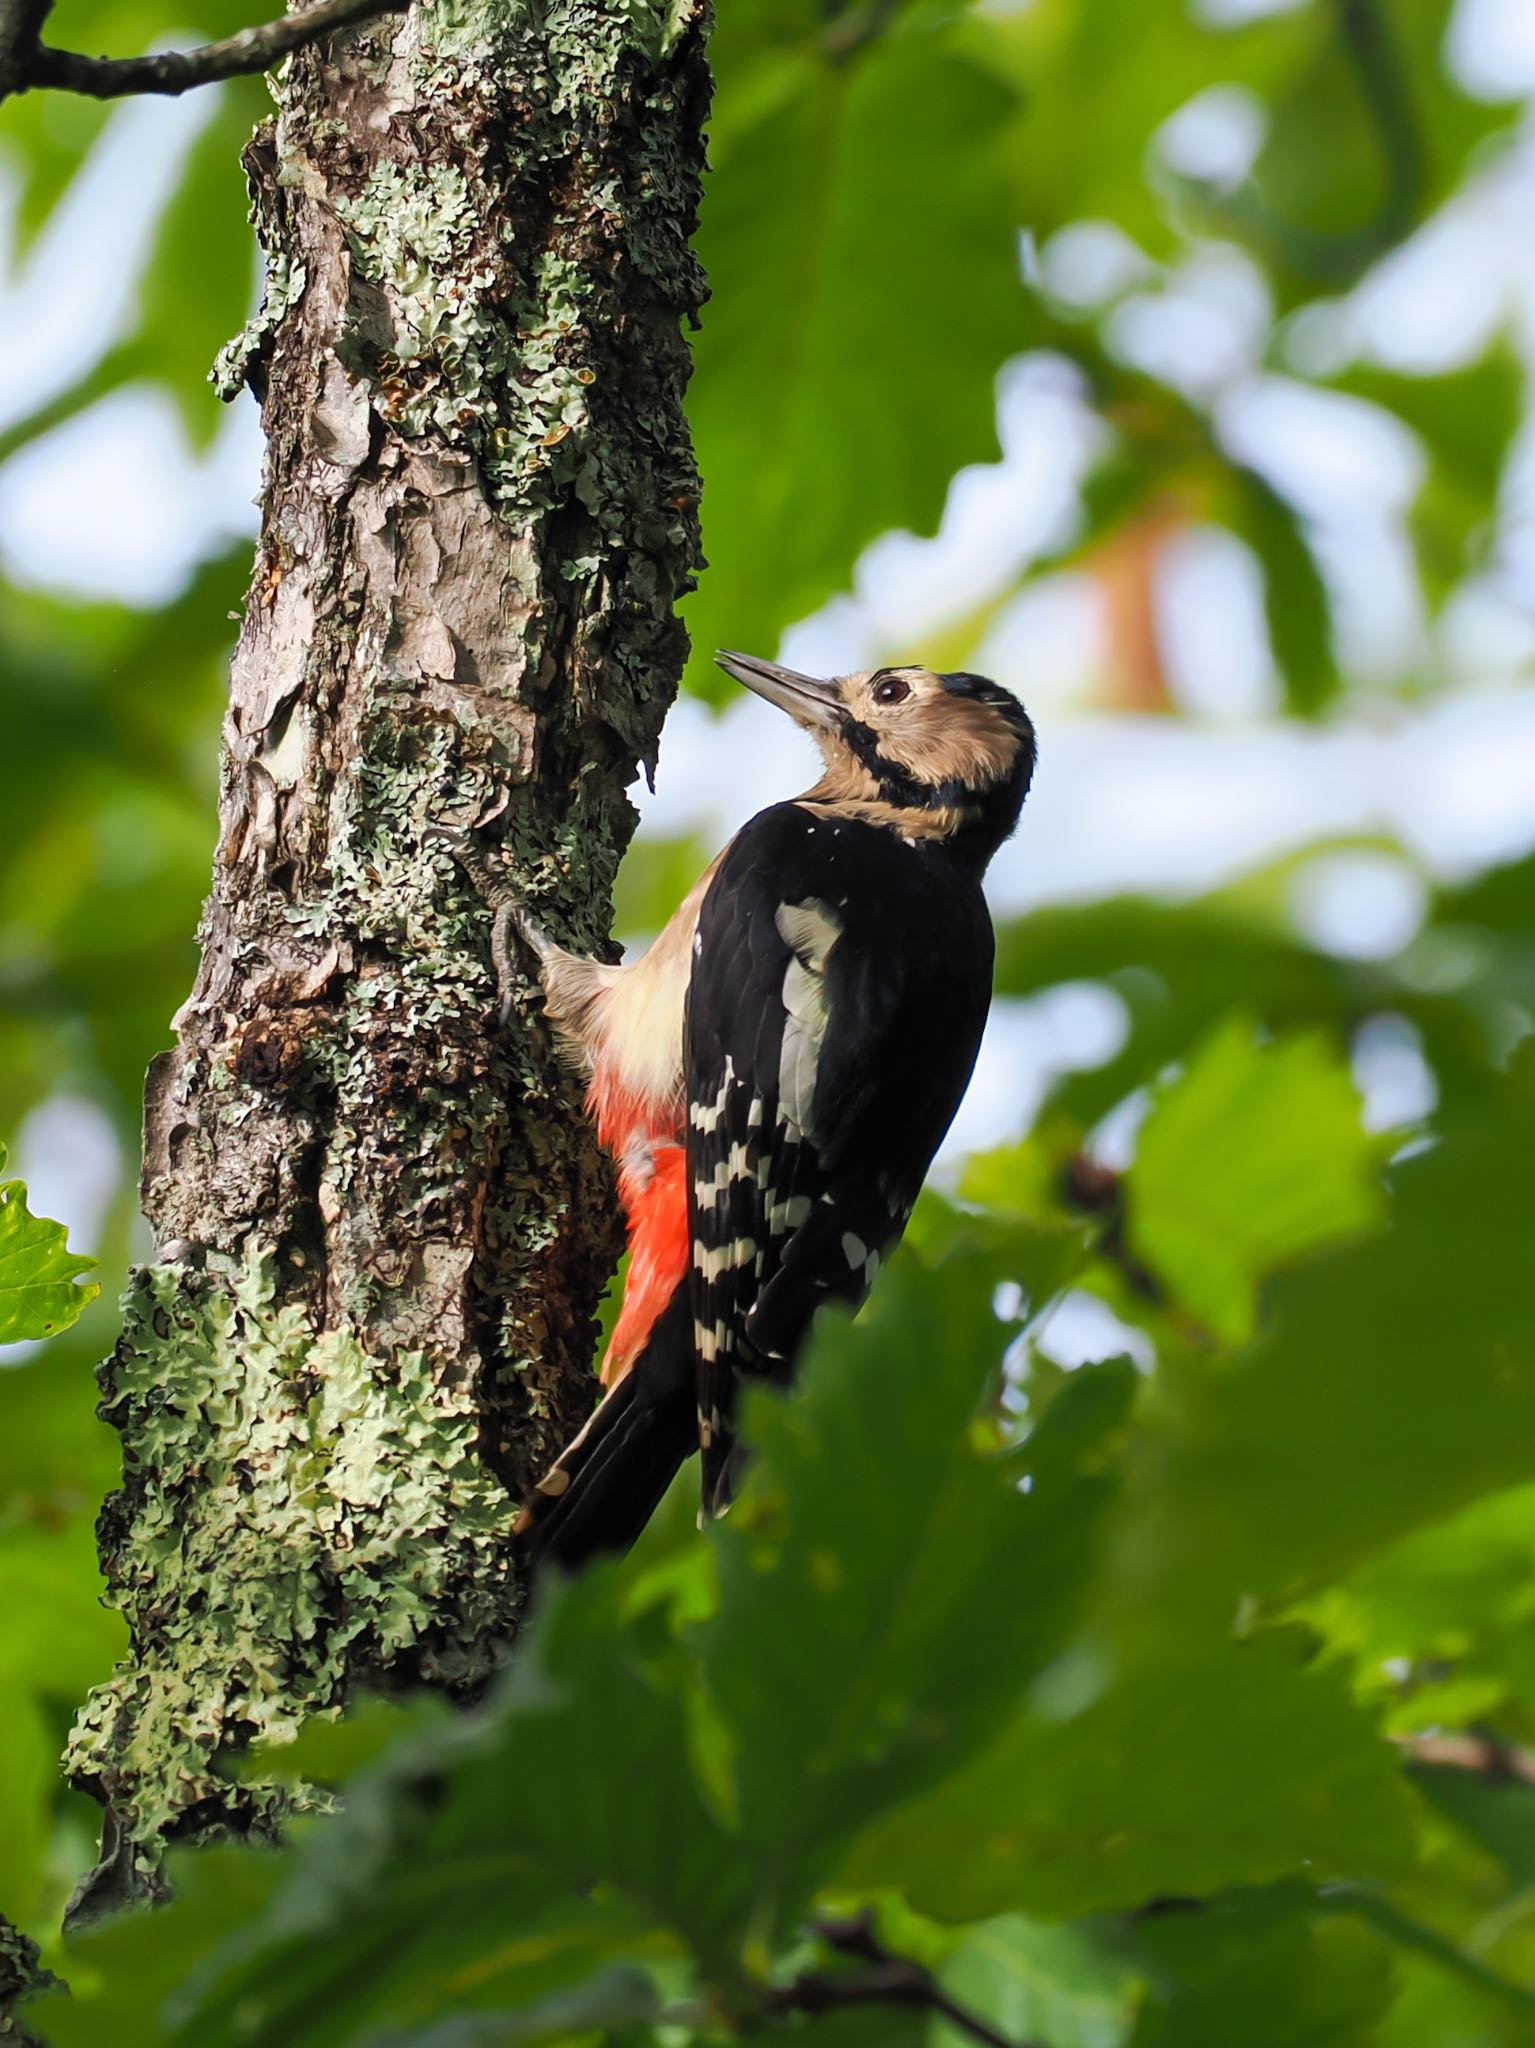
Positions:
{"x": 774, "y": 1076}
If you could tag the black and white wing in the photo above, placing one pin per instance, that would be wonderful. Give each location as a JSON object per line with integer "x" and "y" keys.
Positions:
{"x": 840, "y": 983}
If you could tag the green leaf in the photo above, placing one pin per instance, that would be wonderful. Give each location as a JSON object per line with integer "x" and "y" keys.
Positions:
{"x": 1450, "y": 1605}
{"x": 489, "y": 1863}
{"x": 1178, "y": 1746}
{"x": 868, "y": 1550}
{"x": 1415, "y": 1937}
{"x": 56, "y": 1641}
{"x": 1038, "y": 1242}
{"x": 1498, "y": 1811}
{"x": 866, "y": 291}
{"x": 1250, "y": 1158}
{"x": 1271, "y": 1969}
{"x": 46, "y": 138}
{"x": 1174, "y": 966}
{"x": 40, "y": 1292}
{"x": 878, "y": 2025}
{"x": 584, "y": 1685}
{"x": 1034, "y": 1982}
{"x": 1295, "y": 601}
{"x": 122, "y": 1975}
{"x": 27, "y": 1788}
{"x": 1142, "y": 1770}
{"x": 108, "y": 789}
{"x": 1393, "y": 1384}
{"x": 616, "y": 1997}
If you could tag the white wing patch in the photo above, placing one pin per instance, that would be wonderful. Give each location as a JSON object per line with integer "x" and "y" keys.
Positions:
{"x": 782, "y": 1217}
{"x": 810, "y": 930}
{"x": 724, "y": 1258}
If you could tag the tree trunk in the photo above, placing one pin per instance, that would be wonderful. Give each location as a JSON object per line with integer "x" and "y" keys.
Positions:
{"x": 382, "y": 1225}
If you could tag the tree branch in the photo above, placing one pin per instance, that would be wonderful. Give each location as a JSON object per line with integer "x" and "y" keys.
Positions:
{"x": 1368, "y": 43}
{"x": 21, "y": 23}
{"x": 26, "y": 64}
{"x": 1370, "y": 46}
{"x": 889, "y": 1980}
{"x": 1469, "y": 1751}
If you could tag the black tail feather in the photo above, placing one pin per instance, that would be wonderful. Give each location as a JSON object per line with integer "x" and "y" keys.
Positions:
{"x": 621, "y": 1464}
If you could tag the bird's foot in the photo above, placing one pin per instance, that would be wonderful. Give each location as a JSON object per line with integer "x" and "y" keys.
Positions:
{"x": 510, "y": 913}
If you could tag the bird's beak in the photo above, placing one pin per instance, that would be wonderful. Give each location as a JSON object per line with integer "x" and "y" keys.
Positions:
{"x": 805, "y": 698}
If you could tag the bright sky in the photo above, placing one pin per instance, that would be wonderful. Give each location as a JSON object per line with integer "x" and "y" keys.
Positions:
{"x": 117, "y": 504}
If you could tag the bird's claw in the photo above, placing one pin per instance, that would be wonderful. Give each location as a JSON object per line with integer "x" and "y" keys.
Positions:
{"x": 510, "y": 913}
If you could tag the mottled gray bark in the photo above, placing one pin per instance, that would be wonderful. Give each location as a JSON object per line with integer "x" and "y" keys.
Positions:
{"x": 22, "y": 1977}
{"x": 381, "y": 1220}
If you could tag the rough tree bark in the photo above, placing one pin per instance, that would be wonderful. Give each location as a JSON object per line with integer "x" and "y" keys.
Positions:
{"x": 381, "y": 1224}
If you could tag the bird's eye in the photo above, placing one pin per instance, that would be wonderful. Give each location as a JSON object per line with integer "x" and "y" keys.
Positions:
{"x": 891, "y": 690}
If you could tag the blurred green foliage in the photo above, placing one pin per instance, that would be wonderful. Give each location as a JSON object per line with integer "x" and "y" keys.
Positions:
{"x": 1251, "y": 1156}
{"x": 1084, "y": 1691}
{"x": 1106, "y": 1687}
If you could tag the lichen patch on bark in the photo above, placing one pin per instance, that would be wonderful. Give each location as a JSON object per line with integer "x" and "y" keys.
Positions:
{"x": 317, "y": 1512}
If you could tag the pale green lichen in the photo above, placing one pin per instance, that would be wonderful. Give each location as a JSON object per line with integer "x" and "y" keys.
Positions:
{"x": 286, "y": 277}
{"x": 420, "y": 213}
{"x": 292, "y": 1496}
{"x": 411, "y": 234}
{"x": 452, "y": 347}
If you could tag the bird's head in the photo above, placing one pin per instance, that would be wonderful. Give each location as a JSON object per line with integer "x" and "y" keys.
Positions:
{"x": 946, "y": 757}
